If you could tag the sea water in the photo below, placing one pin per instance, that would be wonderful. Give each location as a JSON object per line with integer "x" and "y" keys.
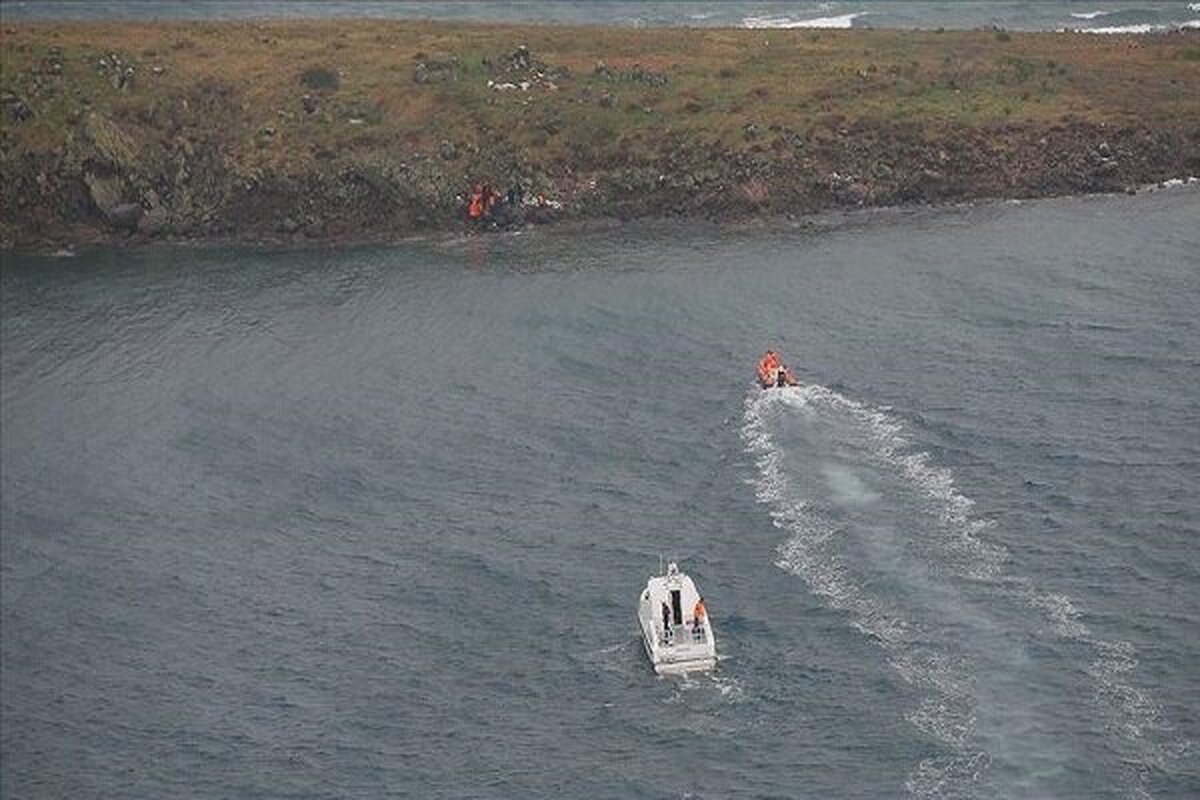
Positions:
{"x": 1103, "y": 16}
{"x": 373, "y": 521}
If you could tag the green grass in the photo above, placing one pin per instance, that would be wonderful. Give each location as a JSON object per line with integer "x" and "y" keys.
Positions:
{"x": 718, "y": 80}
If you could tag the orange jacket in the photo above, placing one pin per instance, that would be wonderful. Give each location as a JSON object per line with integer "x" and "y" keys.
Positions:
{"x": 475, "y": 208}
{"x": 699, "y": 612}
{"x": 766, "y": 366}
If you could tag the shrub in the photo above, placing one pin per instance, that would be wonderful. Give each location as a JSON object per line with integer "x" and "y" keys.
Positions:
{"x": 320, "y": 78}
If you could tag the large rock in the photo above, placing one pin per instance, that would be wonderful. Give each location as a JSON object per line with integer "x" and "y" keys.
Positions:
{"x": 287, "y": 225}
{"x": 106, "y": 190}
{"x": 15, "y": 109}
{"x": 112, "y": 143}
{"x": 153, "y": 222}
{"x": 125, "y": 217}
{"x": 432, "y": 71}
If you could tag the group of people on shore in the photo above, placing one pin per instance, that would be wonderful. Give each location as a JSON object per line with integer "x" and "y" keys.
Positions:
{"x": 484, "y": 198}
{"x": 485, "y": 202}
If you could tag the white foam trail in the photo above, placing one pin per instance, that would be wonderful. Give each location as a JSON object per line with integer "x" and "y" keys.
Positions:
{"x": 842, "y": 21}
{"x": 943, "y": 777}
{"x": 1132, "y": 715}
{"x": 890, "y": 448}
{"x": 1089, "y": 14}
{"x": 947, "y": 713}
{"x": 730, "y": 689}
{"x": 1194, "y": 7}
{"x": 847, "y": 488}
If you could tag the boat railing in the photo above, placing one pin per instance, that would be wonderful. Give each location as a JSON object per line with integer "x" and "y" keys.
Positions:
{"x": 687, "y": 633}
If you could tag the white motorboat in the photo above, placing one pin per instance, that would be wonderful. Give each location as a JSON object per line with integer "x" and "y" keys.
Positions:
{"x": 676, "y": 630}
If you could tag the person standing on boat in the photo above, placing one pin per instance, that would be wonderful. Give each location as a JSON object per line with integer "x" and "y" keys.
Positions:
{"x": 698, "y": 615}
{"x": 768, "y": 368}
{"x": 773, "y": 372}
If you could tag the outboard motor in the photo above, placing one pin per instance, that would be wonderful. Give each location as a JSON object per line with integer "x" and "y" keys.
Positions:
{"x": 781, "y": 377}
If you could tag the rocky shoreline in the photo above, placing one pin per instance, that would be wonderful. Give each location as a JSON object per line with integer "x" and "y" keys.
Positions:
{"x": 110, "y": 143}
{"x": 787, "y": 193}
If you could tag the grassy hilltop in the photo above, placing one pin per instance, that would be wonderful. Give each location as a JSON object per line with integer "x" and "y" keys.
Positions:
{"x": 326, "y": 129}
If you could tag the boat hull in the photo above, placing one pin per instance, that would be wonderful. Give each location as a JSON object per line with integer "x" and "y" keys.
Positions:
{"x": 664, "y": 664}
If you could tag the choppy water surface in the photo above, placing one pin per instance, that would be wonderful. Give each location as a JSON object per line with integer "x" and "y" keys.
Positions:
{"x": 1101, "y": 16}
{"x": 372, "y": 522}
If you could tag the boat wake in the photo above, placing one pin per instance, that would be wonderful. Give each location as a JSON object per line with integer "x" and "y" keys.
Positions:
{"x": 878, "y": 530}
{"x": 1132, "y": 716}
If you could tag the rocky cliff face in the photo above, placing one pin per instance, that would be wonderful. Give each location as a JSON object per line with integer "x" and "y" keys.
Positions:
{"x": 103, "y": 185}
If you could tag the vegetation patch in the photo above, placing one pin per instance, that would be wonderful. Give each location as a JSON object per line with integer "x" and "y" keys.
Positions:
{"x": 315, "y": 129}
{"x": 320, "y": 79}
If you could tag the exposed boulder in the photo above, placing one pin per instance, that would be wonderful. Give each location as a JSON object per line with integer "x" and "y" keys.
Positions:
{"x": 125, "y": 217}
{"x": 119, "y": 71}
{"x": 288, "y": 225}
{"x": 636, "y": 74}
{"x": 523, "y": 64}
{"x": 112, "y": 144}
{"x": 123, "y": 80}
{"x": 105, "y": 190}
{"x": 15, "y": 109}
{"x": 153, "y": 223}
{"x": 434, "y": 71}
{"x": 519, "y": 59}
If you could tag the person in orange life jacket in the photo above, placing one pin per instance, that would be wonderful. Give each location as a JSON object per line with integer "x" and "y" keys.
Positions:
{"x": 699, "y": 613}
{"x": 767, "y": 366}
{"x": 773, "y": 372}
{"x": 475, "y": 208}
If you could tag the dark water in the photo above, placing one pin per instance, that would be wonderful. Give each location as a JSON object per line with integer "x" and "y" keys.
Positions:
{"x": 372, "y": 522}
{"x": 1107, "y": 16}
